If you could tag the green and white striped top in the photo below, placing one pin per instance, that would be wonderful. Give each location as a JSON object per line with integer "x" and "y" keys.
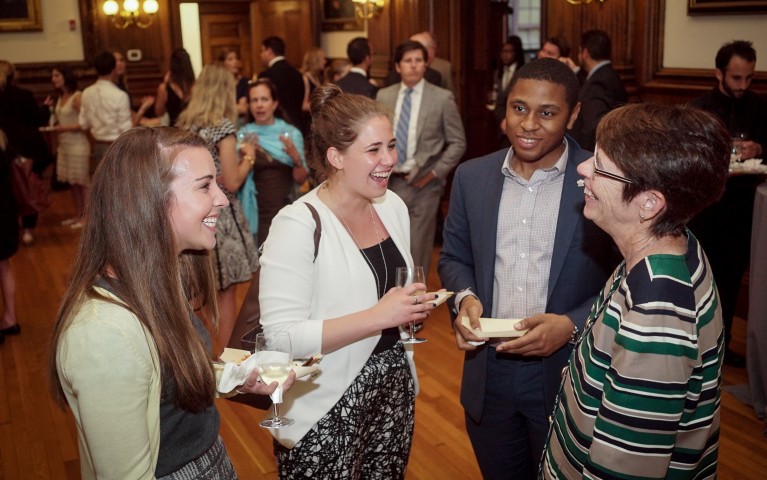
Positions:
{"x": 642, "y": 396}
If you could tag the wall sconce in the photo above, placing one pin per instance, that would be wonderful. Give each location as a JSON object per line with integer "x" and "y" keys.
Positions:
{"x": 129, "y": 13}
{"x": 367, "y": 9}
{"x": 582, "y": 2}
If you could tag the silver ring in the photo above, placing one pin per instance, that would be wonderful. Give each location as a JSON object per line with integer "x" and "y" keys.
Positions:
{"x": 415, "y": 300}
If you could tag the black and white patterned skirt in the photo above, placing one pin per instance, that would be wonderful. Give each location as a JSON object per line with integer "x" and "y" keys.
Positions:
{"x": 367, "y": 434}
{"x": 214, "y": 464}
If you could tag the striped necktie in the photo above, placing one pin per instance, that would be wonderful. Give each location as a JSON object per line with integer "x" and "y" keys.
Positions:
{"x": 403, "y": 124}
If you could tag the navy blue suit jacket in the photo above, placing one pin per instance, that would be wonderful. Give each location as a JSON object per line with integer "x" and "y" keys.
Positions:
{"x": 358, "y": 84}
{"x": 601, "y": 93}
{"x": 583, "y": 258}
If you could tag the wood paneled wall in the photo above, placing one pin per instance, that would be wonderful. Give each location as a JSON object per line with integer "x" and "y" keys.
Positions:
{"x": 636, "y": 29}
{"x": 468, "y": 32}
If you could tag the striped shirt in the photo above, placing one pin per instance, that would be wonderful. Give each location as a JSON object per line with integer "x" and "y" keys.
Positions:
{"x": 527, "y": 224}
{"x": 642, "y": 396}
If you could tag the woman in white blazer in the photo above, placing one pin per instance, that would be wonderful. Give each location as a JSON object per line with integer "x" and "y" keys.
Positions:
{"x": 354, "y": 420}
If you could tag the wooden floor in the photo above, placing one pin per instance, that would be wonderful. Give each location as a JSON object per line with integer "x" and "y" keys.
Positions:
{"x": 38, "y": 439}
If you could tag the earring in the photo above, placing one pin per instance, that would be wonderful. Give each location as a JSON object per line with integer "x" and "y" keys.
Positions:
{"x": 641, "y": 218}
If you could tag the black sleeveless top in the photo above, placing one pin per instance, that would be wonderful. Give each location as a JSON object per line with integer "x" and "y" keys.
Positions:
{"x": 386, "y": 280}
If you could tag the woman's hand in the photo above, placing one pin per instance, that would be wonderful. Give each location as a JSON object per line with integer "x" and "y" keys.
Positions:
{"x": 401, "y": 305}
{"x": 253, "y": 384}
{"x": 249, "y": 145}
{"x": 290, "y": 149}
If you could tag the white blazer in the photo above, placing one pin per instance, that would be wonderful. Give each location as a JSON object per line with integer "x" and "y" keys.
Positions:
{"x": 297, "y": 295}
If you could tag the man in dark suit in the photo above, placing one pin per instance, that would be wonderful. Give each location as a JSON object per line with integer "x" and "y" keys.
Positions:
{"x": 289, "y": 81}
{"x": 516, "y": 245}
{"x": 602, "y": 90}
{"x": 744, "y": 113}
{"x": 356, "y": 81}
{"x": 430, "y": 142}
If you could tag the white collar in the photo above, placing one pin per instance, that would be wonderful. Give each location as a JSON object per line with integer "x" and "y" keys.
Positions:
{"x": 276, "y": 59}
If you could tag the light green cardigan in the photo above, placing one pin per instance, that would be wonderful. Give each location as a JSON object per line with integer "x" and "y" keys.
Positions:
{"x": 110, "y": 372}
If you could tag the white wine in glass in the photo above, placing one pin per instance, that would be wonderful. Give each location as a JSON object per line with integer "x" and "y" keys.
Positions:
{"x": 404, "y": 277}
{"x": 275, "y": 360}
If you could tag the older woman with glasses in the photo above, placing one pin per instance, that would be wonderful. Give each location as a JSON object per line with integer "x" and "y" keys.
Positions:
{"x": 640, "y": 397}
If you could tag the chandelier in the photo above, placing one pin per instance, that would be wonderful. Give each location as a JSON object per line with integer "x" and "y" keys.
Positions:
{"x": 367, "y": 9}
{"x": 129, "y": 13}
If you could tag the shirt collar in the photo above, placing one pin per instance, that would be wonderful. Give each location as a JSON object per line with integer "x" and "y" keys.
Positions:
{"x": 276, "y": 59}
{"x": 552, "y": 172}
{"x": 417, "y": 89}
{"x": 359, "y": 70}
{"x": 597, "y": 67}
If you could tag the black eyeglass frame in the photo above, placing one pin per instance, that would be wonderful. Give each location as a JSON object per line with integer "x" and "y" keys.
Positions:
{"x": 607, "y": 174}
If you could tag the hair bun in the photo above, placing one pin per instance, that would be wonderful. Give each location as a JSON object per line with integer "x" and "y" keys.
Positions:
{"x": 322, "y": 95}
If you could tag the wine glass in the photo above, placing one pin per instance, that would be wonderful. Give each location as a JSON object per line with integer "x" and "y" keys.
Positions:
{"x": 405, "y": 276}
{"x": 274, "y": 357}
{"x": 737, "y": 144}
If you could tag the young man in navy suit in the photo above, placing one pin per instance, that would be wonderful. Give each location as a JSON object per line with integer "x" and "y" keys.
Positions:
{"x": 357, "y": 81}
{"x": 516, "y": 245}
{"x": 602, "y": 88}
{"x": 289, "y": 81}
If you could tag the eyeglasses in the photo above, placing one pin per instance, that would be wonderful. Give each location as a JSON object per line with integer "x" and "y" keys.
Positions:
{"x": 607, "y": 174}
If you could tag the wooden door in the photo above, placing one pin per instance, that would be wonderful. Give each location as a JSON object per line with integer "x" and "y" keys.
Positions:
{"x": 225, "y": 25}
{"x": 290, "y": 20}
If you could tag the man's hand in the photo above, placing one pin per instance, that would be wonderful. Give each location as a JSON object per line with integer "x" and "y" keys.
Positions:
{"x": 470, "y": 307}
{"x": 547, "y": 333}
{"x": 425, "y": 180}
{"x": 750, "y": 149}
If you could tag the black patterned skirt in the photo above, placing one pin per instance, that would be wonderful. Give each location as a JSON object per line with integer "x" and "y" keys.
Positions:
{"x": 367, "y": 434}
{"x": 214, "y": 464}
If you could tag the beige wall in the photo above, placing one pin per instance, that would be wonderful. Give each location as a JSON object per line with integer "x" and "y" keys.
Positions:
{"x": 692, "y": 42}
{"x": 334, "y": 43}
{"x": 54, "y": 43}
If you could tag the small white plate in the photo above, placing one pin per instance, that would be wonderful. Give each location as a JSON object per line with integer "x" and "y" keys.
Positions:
{"x": 495, "y": 327}
{"x": 236, "y": 356}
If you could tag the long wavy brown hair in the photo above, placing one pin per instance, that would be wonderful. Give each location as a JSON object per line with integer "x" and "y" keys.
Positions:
{"x": 128, "y": 242}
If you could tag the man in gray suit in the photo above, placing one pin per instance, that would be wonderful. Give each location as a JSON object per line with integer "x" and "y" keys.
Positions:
{"x": 430, "y": 142}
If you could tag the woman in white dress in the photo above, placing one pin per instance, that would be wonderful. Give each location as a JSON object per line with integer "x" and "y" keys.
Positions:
{"x": 73, "y": 147}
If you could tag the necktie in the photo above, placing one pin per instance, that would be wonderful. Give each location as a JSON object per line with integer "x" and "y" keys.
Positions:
{"x": 403, "y": 124}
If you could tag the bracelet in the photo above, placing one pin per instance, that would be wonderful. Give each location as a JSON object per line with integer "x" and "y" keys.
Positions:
{"x": 574, "y": 334}
{"x": 250, "y": 159}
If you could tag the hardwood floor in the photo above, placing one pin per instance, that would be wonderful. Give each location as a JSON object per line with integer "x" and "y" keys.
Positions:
{"x": 38, "y": 440}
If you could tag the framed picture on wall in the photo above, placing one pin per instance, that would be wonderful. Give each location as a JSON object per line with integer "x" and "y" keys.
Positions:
{"x": 338, "y": 16}
{"x": 720, "y": 7}
{"x": 20, "y": 15}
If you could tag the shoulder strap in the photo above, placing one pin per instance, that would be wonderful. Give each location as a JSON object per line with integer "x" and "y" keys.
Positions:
{"x": 317, "y": 228}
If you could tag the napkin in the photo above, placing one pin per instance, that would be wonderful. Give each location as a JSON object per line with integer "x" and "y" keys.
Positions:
{"x": 235, "y": 374}
{"x": 235, "y": 370}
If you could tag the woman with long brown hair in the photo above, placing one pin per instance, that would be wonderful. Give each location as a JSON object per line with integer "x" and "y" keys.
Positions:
{"x": 130, "y": 356}
{"x": 211, "y": 113}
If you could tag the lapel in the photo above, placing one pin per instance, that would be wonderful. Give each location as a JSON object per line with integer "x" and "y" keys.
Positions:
{"x": 423, "y": 111}
{"x": 570, "y": 216}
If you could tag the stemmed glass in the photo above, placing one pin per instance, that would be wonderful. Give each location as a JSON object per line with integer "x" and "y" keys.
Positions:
{"x": 405, "y": 276}
{"x": 737, "y": 145}
{"x": 275, "y": 360}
